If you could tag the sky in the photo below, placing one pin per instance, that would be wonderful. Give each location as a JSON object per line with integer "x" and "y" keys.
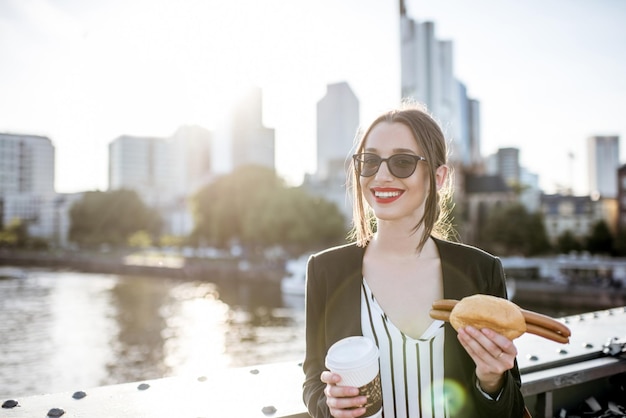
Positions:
{"x": 548, "y": 73}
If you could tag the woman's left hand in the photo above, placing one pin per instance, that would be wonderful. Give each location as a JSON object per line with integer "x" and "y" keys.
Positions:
{"x": 493, "y": 354}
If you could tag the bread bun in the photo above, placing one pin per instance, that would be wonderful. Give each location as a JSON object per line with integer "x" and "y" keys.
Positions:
{"x": 485, "y": 311}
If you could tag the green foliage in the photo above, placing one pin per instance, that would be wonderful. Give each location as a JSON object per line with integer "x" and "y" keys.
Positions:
{"x": 600, "y": 240}
{"x": 567, "y": 243}
{"x": 171, "y": 241}
{"x": 140, "y": 239}
{"x": 15, "y": 235}
{"x": 511, "y": 230}
{"x": 619, "y": 243}
{"x": 7, "y": 239}
{"x": 110, "y": 218}
{"x": 252, "y": 206}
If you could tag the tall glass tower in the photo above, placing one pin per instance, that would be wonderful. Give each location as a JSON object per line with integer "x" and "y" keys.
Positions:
{"x": 603, "y": 163}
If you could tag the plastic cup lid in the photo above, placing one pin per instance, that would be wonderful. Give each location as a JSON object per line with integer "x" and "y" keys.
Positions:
{"x": 351, "y": 352}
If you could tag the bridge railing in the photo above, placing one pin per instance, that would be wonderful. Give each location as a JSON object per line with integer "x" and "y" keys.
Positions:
{"x": 553, "y": 376}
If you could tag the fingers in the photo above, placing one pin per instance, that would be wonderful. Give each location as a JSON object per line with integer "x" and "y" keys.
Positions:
{"x": 342, "y": 401}
{"x": 328, "y": 377}
{"x": 490, "y": 351}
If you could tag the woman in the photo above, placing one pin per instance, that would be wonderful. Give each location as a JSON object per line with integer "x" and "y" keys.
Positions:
{"x": 382, "y": 286}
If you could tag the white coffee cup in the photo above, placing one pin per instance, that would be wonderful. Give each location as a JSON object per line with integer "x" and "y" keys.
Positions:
{"x": 355, "y": 359}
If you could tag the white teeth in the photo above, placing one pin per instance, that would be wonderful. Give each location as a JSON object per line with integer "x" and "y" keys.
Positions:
{"x": 386, "y": 195}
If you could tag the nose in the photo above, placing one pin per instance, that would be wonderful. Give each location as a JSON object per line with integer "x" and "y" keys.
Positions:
{"x": 383, "y": 172}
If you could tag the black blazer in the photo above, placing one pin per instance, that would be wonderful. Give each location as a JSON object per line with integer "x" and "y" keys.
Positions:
{"x": 333, "y": 311}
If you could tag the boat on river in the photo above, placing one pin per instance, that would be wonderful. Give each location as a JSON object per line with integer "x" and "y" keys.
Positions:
{"x": 294, "y": 281}
{"x": 11, "y": 273}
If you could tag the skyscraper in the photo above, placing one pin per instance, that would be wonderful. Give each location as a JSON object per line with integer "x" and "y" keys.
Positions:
{"x": 191, "y": 149}
{"x": 474, "y": 132}
{"x": 507, "y": 160}
{"x": 27, "y": 183}
{"x": 26, "y": 164}
{"x": 143, "y": 164}
{"x": 337, "y": 124}
{"x": 603, "y": 163}
{"x": 252, "y": 143}
{"x": 427, "y": 76}
{"x": 166, "y": 168}
{"x": 621, "y": 199}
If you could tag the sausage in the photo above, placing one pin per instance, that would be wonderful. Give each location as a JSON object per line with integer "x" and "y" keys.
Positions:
{"x": 444, "y": 304}
{"x": 545, "y": 321}
{"x": 440, "y": 314}
{"x": 547, "y": 333}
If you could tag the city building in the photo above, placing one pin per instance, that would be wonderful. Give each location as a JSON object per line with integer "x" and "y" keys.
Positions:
{"x": 530, "y": 193}
{"x": 337, "y": 126}
{"x": 26, "y": 164}
{"x": 27, "y": 182}
{"x": 474, "y": 143}
{"x": 507, "y": 165}
{"x": 576, "y": 214}
{"x": 143, "y": 164}
{"x": 482, "y": 194}
{"x": 427, "y": 76}
{"x": 165, "y": 172}
{"x": 251, "y": 141}
{"x": 191, "y": 147}
{"x": 621, "y": 199}
{"x": 603, "y": 163}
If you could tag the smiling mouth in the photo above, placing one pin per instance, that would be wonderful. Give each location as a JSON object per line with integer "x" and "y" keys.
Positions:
{"x": 386, "y": 195}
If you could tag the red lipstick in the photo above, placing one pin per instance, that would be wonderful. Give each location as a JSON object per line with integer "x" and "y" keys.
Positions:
{"x": 386, "y": 194}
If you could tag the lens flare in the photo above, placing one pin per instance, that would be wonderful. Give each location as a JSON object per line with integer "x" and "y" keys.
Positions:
{"x": 454, "y": 396}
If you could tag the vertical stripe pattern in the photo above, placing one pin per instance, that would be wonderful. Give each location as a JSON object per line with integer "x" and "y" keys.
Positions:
{"x": 411, "y": 370}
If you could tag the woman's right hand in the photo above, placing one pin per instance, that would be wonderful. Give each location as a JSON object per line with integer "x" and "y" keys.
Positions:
{"x": 343, "y": 401}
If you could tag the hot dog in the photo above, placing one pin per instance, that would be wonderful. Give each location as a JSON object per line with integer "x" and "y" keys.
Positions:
{"x": 535, "y": 323}
{"x": 485, "y": 311}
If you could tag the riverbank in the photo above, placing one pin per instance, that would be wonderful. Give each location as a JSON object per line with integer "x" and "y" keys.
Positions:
{"x": 537, "y": 294}
{"x": 158, "y": 264}
{"x": 557, "y": 298}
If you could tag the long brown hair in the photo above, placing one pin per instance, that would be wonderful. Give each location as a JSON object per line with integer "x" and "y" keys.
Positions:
{"x": 429, "y": 137}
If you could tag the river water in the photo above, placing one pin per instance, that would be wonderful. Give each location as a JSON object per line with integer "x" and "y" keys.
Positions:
{"x": 67, "y": 331}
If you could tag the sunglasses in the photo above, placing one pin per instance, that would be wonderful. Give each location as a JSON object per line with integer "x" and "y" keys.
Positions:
{"x": 399, "y": 165}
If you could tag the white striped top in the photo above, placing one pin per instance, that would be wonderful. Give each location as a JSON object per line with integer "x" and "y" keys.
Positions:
{"x": 411, "y": 370}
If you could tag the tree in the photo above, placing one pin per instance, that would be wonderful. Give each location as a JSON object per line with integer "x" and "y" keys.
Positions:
{"x": 511, "y": 230}
{"x": 567, "y": 242}
{"x": 619, "y": 243}
{"x": 253, "y": 206}
{"x": 110, "y": 218}
{"x": 15, "y": 234}
{"x": 600, "y": 240}
{"x": 538, "y": 242}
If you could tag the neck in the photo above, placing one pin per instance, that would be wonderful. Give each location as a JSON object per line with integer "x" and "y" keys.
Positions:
{"x": 399, "y": 242}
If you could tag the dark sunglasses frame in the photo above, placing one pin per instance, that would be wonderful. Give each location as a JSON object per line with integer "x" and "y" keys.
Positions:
{"x": 370, "y": 158}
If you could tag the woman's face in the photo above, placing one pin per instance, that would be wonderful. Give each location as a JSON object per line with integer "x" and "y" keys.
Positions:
{"x": 390, "y": 197}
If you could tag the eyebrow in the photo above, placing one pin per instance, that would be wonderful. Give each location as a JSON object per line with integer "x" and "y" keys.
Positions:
{"x": 395, "y": 150}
